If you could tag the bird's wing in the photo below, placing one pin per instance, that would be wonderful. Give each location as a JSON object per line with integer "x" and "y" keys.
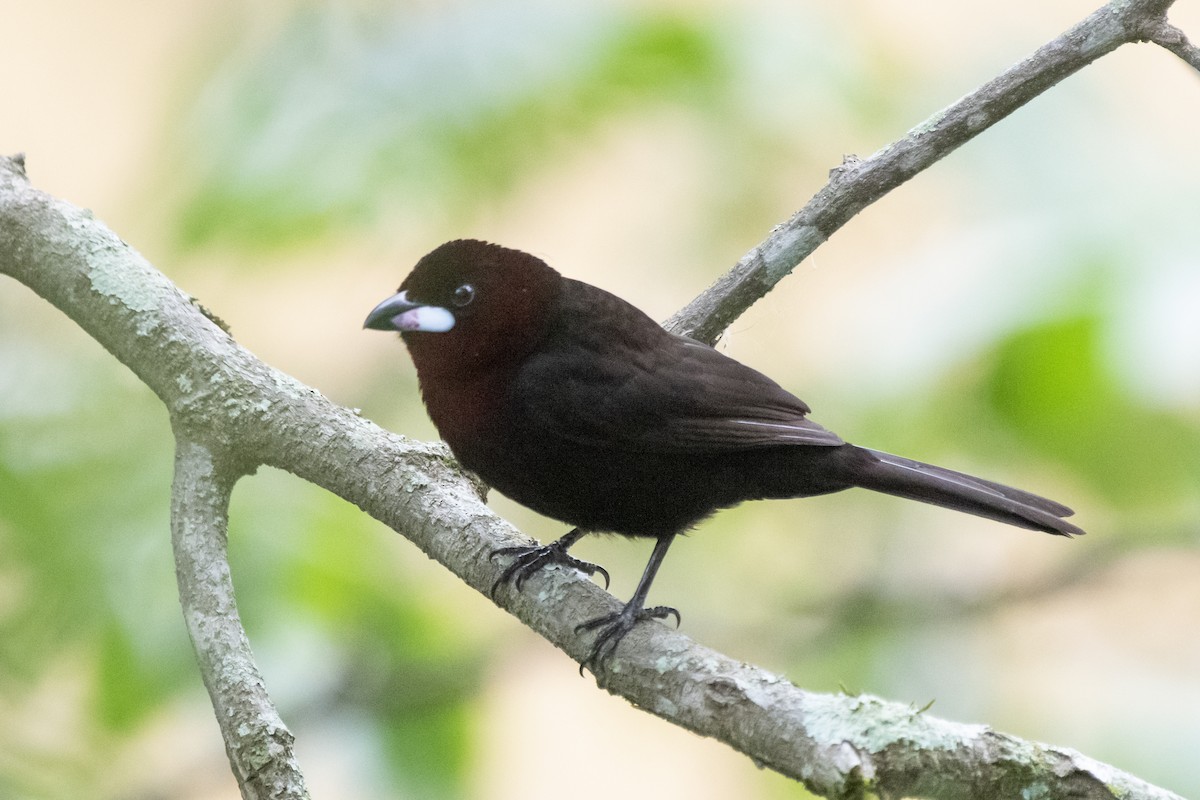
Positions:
{"x": 657, "y": 392}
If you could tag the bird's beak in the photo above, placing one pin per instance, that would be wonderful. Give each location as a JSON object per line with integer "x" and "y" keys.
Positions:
{"x": 398, "y": 313}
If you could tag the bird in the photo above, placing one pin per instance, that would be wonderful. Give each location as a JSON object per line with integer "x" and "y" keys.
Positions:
{"x": 577, "y": 405}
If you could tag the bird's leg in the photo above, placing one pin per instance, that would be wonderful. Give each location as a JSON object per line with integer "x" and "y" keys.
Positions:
{"x": 529, "y": 559}
{"x": 613, "y": 627}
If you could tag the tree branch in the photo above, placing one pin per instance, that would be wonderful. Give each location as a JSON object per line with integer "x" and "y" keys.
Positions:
{"x": 232, "y": 413}
{"x": 258, "y": 743}
{"x": 858, "y": 183}
{"x": 1167, "y": 35}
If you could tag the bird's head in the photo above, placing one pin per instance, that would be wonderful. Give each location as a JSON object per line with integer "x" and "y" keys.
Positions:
{"x": 469, "y": 305}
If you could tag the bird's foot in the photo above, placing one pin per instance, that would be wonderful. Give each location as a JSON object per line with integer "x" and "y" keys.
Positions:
{"x": 530, "y": 558}
{"x": 612, "y": 629}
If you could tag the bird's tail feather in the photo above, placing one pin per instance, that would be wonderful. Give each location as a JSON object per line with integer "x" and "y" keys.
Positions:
{"x": 915, "y": 480}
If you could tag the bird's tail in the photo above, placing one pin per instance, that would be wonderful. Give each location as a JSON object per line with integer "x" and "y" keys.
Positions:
{"x": 914, "y": 480}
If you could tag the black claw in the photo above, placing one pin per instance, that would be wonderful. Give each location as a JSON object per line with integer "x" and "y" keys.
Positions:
{"x": 529, "y": 559}
{"x": 597, "y": 568}
{"x": 613, "y": 628}
{"x": 662, "y": 612}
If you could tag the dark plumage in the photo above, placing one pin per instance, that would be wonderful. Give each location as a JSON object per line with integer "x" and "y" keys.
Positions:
{"x": 576, "y": 404}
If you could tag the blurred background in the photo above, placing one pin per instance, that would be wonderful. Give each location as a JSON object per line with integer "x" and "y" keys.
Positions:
{"x": 1025, "y": 310}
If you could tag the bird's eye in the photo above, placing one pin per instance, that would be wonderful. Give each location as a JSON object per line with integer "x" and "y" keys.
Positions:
{"x": 464, "y": 294}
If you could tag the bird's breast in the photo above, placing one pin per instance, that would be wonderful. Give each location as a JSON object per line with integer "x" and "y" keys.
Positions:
{"x": 465, "y": 412}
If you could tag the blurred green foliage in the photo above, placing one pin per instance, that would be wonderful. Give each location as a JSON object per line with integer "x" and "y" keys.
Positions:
{"x": 344, "y": 114}
{"x": 1050, "y": 384}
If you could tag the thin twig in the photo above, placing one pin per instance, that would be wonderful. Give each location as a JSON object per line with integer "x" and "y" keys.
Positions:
{"x": 1168, "y": 36}
{"x": 858, "y": 183}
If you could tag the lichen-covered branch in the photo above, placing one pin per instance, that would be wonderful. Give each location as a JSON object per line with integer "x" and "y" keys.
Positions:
{"x": 258, "y": 743}
{"x": 1168, "y": 36}
{"x": 231, "y": 413}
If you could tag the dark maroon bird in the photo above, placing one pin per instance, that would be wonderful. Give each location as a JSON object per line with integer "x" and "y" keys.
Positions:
{"x": 576, "y": 404}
